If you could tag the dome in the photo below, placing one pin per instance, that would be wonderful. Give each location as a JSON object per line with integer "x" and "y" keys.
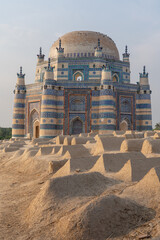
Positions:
{"x": 83, "y": 43}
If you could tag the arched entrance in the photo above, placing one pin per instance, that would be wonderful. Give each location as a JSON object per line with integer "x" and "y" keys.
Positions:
{"x": 34, "y": 126}
{"x": 77, "y": 126}
{"x": 125, "y": 125}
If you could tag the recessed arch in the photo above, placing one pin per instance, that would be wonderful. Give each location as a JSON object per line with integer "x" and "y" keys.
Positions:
{"x": 126, "y": 106}
{"x": 76, "y": 125}
{"x": 115, "y": 77}
{"x": 125, "y": 124}
{"x": 34, "y": 122}
{"x": 78, "y": 76}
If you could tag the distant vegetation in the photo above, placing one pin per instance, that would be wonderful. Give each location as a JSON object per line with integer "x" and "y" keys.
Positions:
{"x": 157, "y": 126}
{"x": 5, "y": 133}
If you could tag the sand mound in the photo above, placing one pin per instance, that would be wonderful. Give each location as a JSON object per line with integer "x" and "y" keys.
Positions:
{"x": 149, "y": 134}
{"x": 133, "y": 170}
{"x": 107, "y": 144}
{"x": 54, "y": 166}
{"x": 76, "y": 165}
{"x": 97, "y": 136}
{"x": 125, "y": 174}
{"x": 44, "y": 151}
{"x": 80, "y": 140}
{"x": 30, "y": 152}
{"x": 156, "y": 135}
{"x": 73, "y": 151}
{"x": 151, "y": 146}
{"x": 83, "y": 135}
{"x": 113, "y": 162}
{"x": 63, "y": 171}
{"x": 60, "y": 194}
{"x": 102, "y": 218}
{"x": 10, "y": 149}
{"x": 148, "y": 189}
{"x": 67, "y": 140}
{"x": 18, "y": 153}
{"x": 139, "y": 135}
{"x": 118, "y": 133}
{"x": 55, "y": 149}
{"x": 59, "y": 139}
{"x": 132, "y": 145}
{"x": 39, "y": 140}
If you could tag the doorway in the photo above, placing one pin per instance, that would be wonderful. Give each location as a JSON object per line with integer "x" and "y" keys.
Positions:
{"x": 36, "y": 129}
{"x": 124, "y": 125}
{"x": 37, "y": 132}
{"x": 77, "y": 126}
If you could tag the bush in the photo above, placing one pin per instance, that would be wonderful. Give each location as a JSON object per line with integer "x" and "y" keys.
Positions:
{"x": 5, "y": 133}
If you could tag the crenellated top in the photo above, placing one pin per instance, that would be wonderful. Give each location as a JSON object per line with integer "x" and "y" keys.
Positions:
{"x": 49, "y": 71}
{"x": 144, "y": 77}
{"x": 126, "y": 55}
{"x": 20, "y": 78}
{"x": 40, "y": 56}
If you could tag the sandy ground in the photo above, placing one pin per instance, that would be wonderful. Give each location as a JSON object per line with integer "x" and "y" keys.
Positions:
{"x": 83, "y": 191}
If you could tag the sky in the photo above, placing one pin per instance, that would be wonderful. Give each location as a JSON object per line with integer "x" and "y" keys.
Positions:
{"x": 25, "y": 25}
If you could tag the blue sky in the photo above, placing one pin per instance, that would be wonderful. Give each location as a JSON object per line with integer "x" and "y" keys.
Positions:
{"x": 25, "y": 25}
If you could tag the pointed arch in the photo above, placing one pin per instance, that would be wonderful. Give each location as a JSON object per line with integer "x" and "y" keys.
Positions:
{"x": 115, "y": 77}
{"x": 78, "y": 76}
{"x": 34, "y": 122}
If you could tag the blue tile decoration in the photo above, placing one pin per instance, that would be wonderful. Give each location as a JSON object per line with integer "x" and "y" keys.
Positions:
{"x": 100, "y": 105}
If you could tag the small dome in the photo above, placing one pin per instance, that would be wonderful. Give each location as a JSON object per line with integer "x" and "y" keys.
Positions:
{"x": 83, "y": 43}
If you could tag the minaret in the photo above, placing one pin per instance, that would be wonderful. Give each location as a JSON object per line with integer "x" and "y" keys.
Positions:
{"x": 40, "y": 61}
{"x": 48, "y": 105}
{"x": 18, "y": 123}
{"x": 98, "y": 49}
{"x": 60, "y": 50}
{"x": 126, "y": 55}
{"x": 143, "y": 103}
{"x": 126, "y": 66}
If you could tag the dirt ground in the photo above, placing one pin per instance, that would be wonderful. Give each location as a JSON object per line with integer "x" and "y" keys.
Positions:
{"x": 45, "y": 196}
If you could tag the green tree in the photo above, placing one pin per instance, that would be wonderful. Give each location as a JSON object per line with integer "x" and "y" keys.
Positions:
{"x": 5, "y": 133}
{"x": 157, "y": 126}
